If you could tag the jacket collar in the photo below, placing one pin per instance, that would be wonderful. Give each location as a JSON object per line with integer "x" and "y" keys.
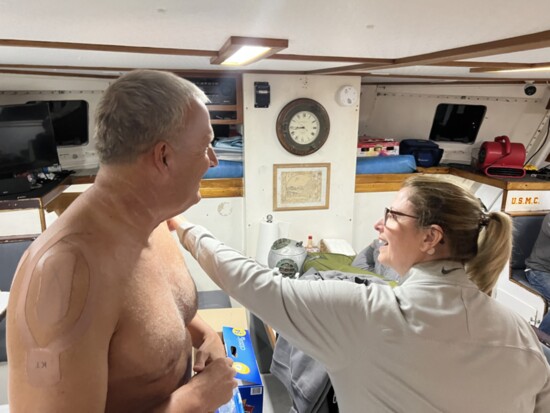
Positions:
{"x": 438, "y": 272}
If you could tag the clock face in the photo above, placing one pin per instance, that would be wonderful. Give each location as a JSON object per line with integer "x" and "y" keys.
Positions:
{"x": 303, "y": 126}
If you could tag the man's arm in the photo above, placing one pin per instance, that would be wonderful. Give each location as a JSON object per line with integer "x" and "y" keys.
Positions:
{"x": 205, "y": 392}
{"x": 58, "y": 337}
{"x": 207, "y": 342}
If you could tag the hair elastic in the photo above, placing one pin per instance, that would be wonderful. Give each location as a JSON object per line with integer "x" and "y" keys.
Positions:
{"x": 484, "y": 220}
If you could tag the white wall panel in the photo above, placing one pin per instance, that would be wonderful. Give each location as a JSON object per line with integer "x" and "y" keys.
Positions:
{"x": 262, "y": 149}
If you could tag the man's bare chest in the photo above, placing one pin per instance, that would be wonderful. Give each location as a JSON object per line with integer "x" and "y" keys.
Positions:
{"x": 159, "y": 300}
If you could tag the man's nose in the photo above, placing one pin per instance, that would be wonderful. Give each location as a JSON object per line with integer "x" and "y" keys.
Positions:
{"x": 213, "y": 158}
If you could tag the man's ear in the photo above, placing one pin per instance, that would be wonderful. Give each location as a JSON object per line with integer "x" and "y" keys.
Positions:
{"x": 433, "y": 235}
{"x": 161, "y": 155}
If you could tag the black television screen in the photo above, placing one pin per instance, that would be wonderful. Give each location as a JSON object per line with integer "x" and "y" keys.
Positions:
{"x": 69, "y": 121}
{"x": 27, "y": 141}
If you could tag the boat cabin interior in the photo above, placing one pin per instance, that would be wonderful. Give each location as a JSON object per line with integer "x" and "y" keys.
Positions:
{"x": 458, "y": 89}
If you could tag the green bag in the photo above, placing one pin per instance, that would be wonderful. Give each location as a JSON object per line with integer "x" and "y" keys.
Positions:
{"x": 325, "y": 261}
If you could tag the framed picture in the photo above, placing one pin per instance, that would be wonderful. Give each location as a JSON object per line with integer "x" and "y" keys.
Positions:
{"x": 301, "y": 186}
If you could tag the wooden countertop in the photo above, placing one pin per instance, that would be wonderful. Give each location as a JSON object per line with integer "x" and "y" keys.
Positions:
{"x": 36, "y": 199}
{"x": 234, "y": 187}
{"x": 392, "y": 182}
{"x": 210, "y": 188}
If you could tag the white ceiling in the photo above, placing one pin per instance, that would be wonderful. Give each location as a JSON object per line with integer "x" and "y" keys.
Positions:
{"x": 383, "y": 29}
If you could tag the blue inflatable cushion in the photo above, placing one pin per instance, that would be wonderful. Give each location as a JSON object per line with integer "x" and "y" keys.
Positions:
{"x": 225, "y": 169}
{"x": 399, "y": 164}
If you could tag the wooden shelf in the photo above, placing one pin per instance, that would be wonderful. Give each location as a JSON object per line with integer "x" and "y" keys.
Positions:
{"x": 393, "y": 182}
{"x": 221, "y": 188}
{"x": 221, "y": 114}
{"x": 210, "y": 188}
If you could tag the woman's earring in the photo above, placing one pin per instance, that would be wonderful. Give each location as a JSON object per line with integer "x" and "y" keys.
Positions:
{"x": 431, "y": 251}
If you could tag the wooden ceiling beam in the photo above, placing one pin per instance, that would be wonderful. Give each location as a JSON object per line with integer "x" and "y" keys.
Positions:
{"x": 461, "y": 63}
{"x": 489, "y": 69}
{"x": 453, "y": 79}
{"x": 313, "y": 58}
{"x": 60, "y": 74}
{"x": 107, "y": 48}
{"x": 447, "y": 58}
{"x": 513, "y": 44}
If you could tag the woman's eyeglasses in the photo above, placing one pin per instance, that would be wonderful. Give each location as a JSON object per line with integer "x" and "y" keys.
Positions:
{"x": 393, "y": 214}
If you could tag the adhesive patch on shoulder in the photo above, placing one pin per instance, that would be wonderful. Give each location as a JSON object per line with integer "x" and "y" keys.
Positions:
{"x": 60, "y": 298}
{"x": 54, "y": 291}
{"x": 43, "y": 367}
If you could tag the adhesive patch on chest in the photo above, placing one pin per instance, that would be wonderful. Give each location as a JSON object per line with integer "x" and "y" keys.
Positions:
{"x": 58, "y": 296}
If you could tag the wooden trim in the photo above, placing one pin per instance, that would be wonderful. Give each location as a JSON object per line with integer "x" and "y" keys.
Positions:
{"x": 222, "y": 188}
{"x": 379, "y": 182}
{"x": 393, "y": 182}
{"x": 511, "y": 66}
{"x": 107, "y": 47}
{"x": 62, "y": 202}
{"x": 57, "y": 74}
{"x": 449, "y": 57}
{"x": 513, "y": 44}
{"x": 526, "y": 213}
{"x": 507, "y": 82}
{"x": 210, "y": 188}
{"x": 317, "y": 58}
{"x": 68, "y": 67}
{"x": 478, "y": 177}
{"x": 459, "y": 63}
{"x": 463, "y": 78}
{"x": 82, "y": 179}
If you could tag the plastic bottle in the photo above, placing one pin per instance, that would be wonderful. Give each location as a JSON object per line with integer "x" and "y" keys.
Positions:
{"x": 310, "y": 247}
{"x": 309, "y": 244}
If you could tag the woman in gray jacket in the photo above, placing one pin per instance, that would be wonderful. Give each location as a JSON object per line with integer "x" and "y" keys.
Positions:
{"x": 436, "y": 343}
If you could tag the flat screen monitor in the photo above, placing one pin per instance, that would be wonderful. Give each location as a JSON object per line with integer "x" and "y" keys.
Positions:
{"x": 69, "y": 121}
{"x": 27, "y": 140}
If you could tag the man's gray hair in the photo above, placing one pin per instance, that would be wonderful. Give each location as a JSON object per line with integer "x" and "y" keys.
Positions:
{"x": 139, "y": 109}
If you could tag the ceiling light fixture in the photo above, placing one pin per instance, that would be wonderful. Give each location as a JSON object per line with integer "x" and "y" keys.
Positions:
{"x": 241, "y": 51}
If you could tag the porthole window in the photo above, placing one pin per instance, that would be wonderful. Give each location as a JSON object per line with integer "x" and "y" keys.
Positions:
{"x": 457, "y": 123}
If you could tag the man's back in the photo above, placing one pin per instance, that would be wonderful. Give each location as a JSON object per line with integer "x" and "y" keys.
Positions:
{"x": 99, "y": 316}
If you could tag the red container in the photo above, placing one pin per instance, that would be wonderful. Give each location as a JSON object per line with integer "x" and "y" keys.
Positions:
{"x": 501, "y": 158}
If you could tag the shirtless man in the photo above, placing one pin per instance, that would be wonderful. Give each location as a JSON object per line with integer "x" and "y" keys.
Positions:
{"x": 101, "y": 316}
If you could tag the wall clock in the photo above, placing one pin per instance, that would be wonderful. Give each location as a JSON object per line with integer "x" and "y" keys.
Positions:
{"x": 303, "y": 126}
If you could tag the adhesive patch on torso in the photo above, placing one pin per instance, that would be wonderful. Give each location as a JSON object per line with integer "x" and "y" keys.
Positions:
{"x": 55, "y": 308}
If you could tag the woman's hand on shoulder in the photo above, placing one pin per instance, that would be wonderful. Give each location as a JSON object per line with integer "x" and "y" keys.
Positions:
{"x": 175, "y": 222}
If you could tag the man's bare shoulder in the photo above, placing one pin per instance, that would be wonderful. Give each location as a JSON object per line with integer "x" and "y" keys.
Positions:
{"x": 60, "y": 283}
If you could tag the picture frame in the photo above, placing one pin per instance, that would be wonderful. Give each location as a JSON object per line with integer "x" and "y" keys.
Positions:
{"x": 301, "y": 186}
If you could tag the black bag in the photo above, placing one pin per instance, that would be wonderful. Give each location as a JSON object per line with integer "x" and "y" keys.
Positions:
{"x": 426, "y": 153}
